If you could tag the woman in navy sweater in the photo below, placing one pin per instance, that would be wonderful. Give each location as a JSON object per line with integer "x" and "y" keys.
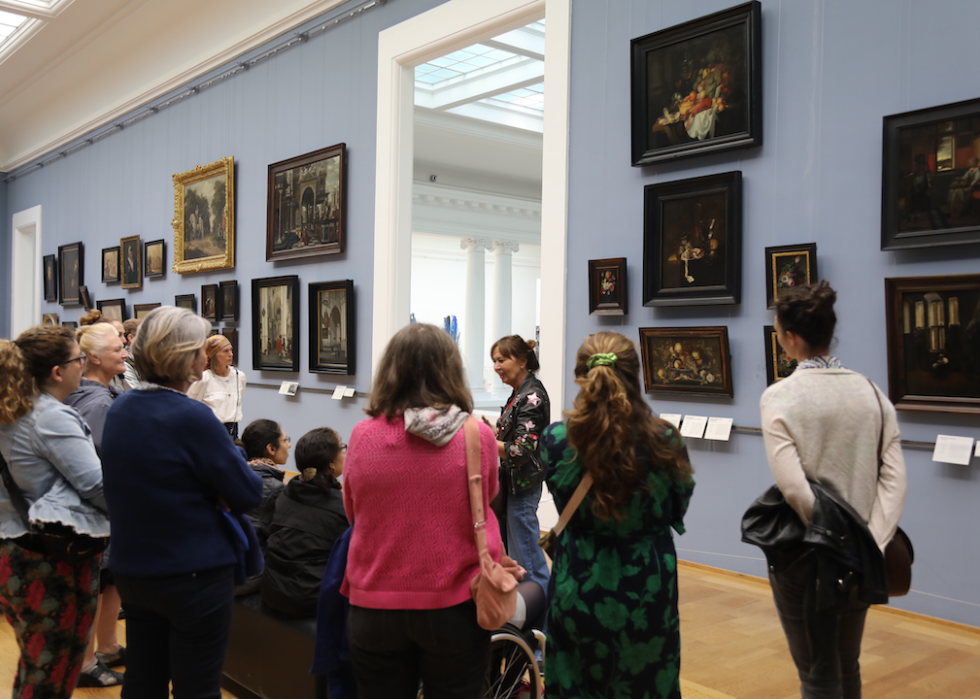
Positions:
{"x": 171, "y": 475}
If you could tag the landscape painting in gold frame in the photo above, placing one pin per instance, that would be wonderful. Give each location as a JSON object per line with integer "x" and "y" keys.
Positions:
{"x": 204, "y": 218}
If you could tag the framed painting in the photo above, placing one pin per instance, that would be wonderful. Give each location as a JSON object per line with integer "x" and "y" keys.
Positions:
{"x": 188, "y": 301}
{"x": 930, "y": 182}
{"x": 692, "y": 241}
{"x": 84, "y": 296}
{"x": 687, "y": 361}
{"x": 113, "y": 309}
{"x": 332, "y": 328}
{"x": 49, "y": 270}
{"x": 71, "y": 260}
{"x": 307, "y": 209}
{"x": 933, "y": 326}
{"x": 229, "y": 300}
{"x": 607, "y": 287}
{"x": 110, "y": 265}
{"x": 232, "y": 335}
{"x": 788, "y": 266}
{"x": 778, "y": 365}
{"x": 275, "y": 323}
{"x": 204, "y": 218}
{"x": 153, "y": 259}
{"x": 210, "y": 302}
{"x": 140, "y": 310}
{"x": 696, "y": 88}
{"x": 132, "y": 262}
{"x": 49, "y": 319}
{"x": 70, "y": 324}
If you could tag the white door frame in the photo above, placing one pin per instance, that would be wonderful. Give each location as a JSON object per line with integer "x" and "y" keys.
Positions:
{"x": 26, "y": 274}
{"x": 454, "y": 25}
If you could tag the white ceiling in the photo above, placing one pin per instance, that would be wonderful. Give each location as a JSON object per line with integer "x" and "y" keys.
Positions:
{"x": 88, "y": 62}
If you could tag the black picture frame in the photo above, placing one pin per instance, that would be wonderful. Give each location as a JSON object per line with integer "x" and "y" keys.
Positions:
{"x": 608, "y": 288}
{"x": 696, "y": 87}
{"x": 933, "y": 352}
{"x": 110, "y": 265}
{"x": 228, "y": 305}
{"x": 71, "y": 273}
{"x": 70, "y": 324}
{"x": 113, "y": 309}
{"x": 49, "y": 273}
{"x": 692, "y": 361}
{"x": 210, "y": 302}
{"x": 275, "y": 323}
{"x": 231, "y": 334}
{"x": 141, "y": 309}
{"x": 188, "y": 301}
{"x": 333, "y": 331}
{"x": 307, "y": 206}
{"x": 692, "y": 241}
{"x": 930, "y": 182}
{"x": 131, "y": 262}
{"x": 778, "y": 365}
{"x": 154, "y": 259}
{"x": 788, "y": 266}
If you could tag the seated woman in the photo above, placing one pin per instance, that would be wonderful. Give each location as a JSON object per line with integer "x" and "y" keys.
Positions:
{"x": 308, "y": 519}
{"x": 267, "y": 448}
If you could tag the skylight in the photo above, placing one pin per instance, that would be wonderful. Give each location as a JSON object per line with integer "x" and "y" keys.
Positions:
{"x": 9, "y": 23}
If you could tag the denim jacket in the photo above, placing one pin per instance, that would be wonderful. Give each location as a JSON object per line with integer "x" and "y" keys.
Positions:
{"x": 51, "y": 457}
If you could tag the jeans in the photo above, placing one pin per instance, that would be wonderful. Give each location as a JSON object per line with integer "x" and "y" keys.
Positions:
{"x": 522, "y": 533}
{"x": 825, "y": 645}
{"x": 177, "y": 628}
{"x": 392, "y": 649}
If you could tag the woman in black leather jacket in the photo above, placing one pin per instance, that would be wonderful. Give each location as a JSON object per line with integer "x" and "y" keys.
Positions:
{"x": 522, "y": 420}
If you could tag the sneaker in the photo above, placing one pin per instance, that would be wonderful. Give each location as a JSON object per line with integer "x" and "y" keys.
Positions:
{"x": 113, "y": 659}
{"x": 98, "y": 675}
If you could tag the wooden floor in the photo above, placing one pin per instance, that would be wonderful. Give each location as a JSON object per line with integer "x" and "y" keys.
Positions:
{"x": 733, "y": 647}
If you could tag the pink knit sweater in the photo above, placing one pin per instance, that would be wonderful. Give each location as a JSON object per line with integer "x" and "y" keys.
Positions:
{"x": 413, "y": 544}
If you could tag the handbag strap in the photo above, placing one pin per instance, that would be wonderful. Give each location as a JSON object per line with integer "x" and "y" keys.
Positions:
{"x": 16, "y": 494}
{"x": 471, "y": 430}
{"x": 572, "y": 506}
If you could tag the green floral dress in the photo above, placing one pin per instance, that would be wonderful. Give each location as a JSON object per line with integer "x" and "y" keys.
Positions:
{"x": 613, "y": 627}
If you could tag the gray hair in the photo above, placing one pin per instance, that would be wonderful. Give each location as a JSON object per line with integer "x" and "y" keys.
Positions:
{"x": 166, "y": 344}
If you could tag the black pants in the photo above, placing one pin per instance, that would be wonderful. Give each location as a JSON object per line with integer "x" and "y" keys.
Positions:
{"x": 392, "y": 649}
{"x": 177, "y": 628}
{"x": 825, "y": 645}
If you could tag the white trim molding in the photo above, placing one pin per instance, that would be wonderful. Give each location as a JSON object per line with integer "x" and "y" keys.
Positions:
{"x": 25, "y": 268}
{"x": 457, "y": 24}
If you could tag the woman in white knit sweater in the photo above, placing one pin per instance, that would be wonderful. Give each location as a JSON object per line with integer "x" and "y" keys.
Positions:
{"x": 823, "y": 424}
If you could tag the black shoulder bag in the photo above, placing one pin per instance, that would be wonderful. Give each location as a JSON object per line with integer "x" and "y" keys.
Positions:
{"x": 58, "y": 541}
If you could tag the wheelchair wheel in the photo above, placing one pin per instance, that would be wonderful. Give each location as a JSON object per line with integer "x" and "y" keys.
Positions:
{"x": 511, "y": 663}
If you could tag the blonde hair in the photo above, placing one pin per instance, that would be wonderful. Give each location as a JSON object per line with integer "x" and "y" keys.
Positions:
{"x": 167, "y": 343}
{"x": 610, "y": 422}
{"x": 93, "y": 339}
{"x": 26, "y": 364}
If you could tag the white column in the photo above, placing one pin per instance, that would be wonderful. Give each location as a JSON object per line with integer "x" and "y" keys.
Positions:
{"x": 473, "y": 332}
{"x": 502, "y": 287}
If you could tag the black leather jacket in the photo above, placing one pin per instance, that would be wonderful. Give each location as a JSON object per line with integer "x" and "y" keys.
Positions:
{"x": 519, "y": 428}
{"x": 848, "y": 559}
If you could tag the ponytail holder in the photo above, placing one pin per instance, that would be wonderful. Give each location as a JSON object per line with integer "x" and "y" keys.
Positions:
{"x": 607, "y": 359}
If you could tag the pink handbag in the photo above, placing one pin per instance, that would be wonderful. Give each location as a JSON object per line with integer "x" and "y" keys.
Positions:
{"x": 494, "y": 588}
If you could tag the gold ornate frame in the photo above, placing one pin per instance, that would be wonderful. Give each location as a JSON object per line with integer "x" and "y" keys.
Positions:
{"x": 225, "y": 260}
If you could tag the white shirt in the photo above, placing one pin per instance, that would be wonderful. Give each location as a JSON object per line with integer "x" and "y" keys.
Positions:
{"x": 223, "y": 394}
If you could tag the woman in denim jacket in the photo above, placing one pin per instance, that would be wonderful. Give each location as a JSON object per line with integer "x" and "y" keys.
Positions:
{"x": 48, "y": 451}
{"x": 522, "y": 420}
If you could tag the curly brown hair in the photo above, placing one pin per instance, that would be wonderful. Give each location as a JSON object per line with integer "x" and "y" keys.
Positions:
{"x": 610, "y": 420}
{"x": 26, "y": 364}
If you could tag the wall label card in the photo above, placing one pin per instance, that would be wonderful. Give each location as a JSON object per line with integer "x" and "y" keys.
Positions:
{"x": 953, "y": 450}
{"x": 673, "y": 418}
{"x": 693, "y": 426}
{"x": 719, "y": 428}
{"x": 288, "y": 388}
{"x": 338, "y": 392}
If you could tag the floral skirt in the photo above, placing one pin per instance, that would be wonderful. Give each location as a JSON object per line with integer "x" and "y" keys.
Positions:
{"x": 50, "y": 605}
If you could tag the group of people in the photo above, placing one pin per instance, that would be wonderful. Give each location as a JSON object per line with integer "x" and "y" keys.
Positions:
{"x": 189, "y": 509}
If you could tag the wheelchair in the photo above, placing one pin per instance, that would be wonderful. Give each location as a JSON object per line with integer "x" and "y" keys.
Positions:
{"x": 512, "y": 666}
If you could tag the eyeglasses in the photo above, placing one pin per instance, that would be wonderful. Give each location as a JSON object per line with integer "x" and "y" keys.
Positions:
{"x": 343, "y": 447}
{"x": 287, "y": 439}
{"x": 81, "y": 359}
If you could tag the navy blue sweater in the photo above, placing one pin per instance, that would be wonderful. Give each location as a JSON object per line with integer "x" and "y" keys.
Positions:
{"x": 166, "y": 460}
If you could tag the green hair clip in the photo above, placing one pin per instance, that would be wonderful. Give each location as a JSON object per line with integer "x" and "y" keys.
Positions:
{"x": 600, "y": 359}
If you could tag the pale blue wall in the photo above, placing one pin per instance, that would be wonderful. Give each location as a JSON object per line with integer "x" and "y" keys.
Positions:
{"x": 832, "y": 70}
{"x": 5, "y": 252}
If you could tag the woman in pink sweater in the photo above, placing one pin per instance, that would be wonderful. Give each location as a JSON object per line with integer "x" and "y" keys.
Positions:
{"x": 412, "y": 553}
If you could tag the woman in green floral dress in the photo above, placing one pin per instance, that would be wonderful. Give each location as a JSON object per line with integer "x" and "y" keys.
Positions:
{"x": 613, "y": 627}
